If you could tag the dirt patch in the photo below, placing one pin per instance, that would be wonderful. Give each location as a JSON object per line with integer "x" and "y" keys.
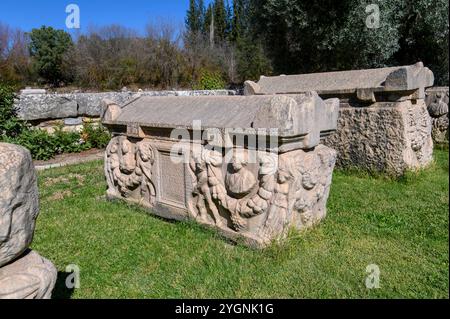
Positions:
{"x": 50, "y": 181}
{"x": 60, "y": 195}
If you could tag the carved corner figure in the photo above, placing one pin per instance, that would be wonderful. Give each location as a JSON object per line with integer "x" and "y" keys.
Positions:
{"x": 129, "y": 169}
{"x": 23, "y": 273}
{"x": 437, "y": 103}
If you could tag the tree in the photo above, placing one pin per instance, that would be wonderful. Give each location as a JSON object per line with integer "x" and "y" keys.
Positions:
{"x": 252, "y": 60}
{"x": 325, "y": 35}
{"x": 195, "y": 16}
{"x": 424, "y": 36}
{"x": 237, "y": 27}
{"x": 220, "y": 20}
{"x": 14, "y": 56}
{"x": 48, "y": 48}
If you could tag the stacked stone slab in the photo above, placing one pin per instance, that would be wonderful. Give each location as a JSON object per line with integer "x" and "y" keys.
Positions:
{"x": 437, "y": 103}
{"x": 253, "y": 167}
{"x": 37, "y": 105}
{"x": 383, "y": 123}
{"x": 23, "y": 273}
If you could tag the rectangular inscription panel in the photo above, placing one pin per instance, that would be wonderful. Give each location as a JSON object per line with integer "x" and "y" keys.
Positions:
{"x": 172, "y": 177}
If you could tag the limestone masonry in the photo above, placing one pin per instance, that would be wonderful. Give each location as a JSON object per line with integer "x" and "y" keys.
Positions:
{"x": 252, "y": 168}
{"x": 23, "y": 273}
{"x": 383, "y": 122}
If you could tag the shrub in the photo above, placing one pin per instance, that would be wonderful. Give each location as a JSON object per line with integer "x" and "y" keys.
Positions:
{"x": 10, "y": 125}
{"x": 210, "y": 80}
{"x": 96, "y": 136}
{"x": 69, "y": 142}
{"x": 44, "y": 146}
{"x": 41, "y": 144}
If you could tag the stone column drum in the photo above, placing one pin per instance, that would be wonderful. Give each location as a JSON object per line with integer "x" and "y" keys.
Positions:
{"x": 23, "y": 273}
{"x": 383, "y": 123}
{"x": 251, "y": 167}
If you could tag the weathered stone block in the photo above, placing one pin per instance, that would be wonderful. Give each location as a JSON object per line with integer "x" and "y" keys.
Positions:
{"x": 383, "y": 123}
{"x": 389, "y": 137}
{"x": 437, "y": 103}
{"x": 22, "y": 274}
{"x": 36, "y": 105}
{"x": 28, "y": 277}
{"x": 253, "y": 167}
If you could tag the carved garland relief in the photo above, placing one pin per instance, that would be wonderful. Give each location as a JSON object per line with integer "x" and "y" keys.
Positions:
{"x": 277, "y": 192}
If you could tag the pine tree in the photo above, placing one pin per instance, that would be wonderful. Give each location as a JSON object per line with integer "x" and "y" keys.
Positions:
{"x": 195, "y": 16}
{"x": 201, "y": 14}
{"x": 237, "y": 28}
{"x": 220, "y": 20}
{"x": 229, "y": 20}
{"x": 191, "y": 21}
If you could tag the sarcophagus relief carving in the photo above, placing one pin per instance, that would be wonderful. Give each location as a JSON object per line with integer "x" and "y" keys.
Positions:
{"x": 252, "y": 167}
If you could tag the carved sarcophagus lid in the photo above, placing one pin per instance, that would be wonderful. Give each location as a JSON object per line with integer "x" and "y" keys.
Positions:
{"x": 365, "y": 85}
{"x": 296, "y": 121}
{"x": 250, "y": 166}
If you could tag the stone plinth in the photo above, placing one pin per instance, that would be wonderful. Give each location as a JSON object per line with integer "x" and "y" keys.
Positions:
{"x": 252, "y": 168}
{"x": 437, "y": 103}
{"x": 23, "y": 273}
{"x": 383, "y": 120}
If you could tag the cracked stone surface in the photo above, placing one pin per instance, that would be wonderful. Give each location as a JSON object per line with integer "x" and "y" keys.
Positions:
{"x": 23, "y": 273}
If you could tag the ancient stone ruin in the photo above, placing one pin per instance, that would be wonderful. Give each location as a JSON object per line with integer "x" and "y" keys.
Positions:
{"x": 49, "y": 111}
{"x": 23, "y": 273}
{"x": 383, "y": 120}
{"x": 251, "y": 167}
{"x": 437, "y": 103}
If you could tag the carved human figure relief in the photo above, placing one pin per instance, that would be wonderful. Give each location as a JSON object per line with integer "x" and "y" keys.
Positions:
{"x": 239, "y": 180}
{"x": 145, "y": 161}
{"x": 277, "y": 216}
{"x": 202, "y": 189}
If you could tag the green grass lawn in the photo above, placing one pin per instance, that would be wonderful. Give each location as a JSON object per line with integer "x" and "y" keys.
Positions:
{"x": 399, "y": 225}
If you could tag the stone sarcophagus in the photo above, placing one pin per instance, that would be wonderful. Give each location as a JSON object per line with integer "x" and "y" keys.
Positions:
{"x": 251, "y": 167}
{"x": 383, "y": 122}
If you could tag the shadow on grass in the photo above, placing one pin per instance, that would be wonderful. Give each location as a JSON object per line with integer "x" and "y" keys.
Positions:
{"x": 61, "y": 291}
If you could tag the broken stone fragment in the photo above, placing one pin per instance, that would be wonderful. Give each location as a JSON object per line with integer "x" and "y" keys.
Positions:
{"x": 22, "y": 274}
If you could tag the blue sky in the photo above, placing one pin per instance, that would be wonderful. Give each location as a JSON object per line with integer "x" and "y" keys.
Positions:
{"x": 28, "y": 14}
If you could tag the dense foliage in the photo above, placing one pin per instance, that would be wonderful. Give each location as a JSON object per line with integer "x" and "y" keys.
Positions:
{"x": 322, "y": 35}
{"x": 236, "y": 39}
{"x": 10, "y": 125}
{"x": 42, "y": 145}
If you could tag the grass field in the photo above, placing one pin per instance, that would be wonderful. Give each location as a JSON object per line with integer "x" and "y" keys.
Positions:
{"x": 399, "y": 225}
